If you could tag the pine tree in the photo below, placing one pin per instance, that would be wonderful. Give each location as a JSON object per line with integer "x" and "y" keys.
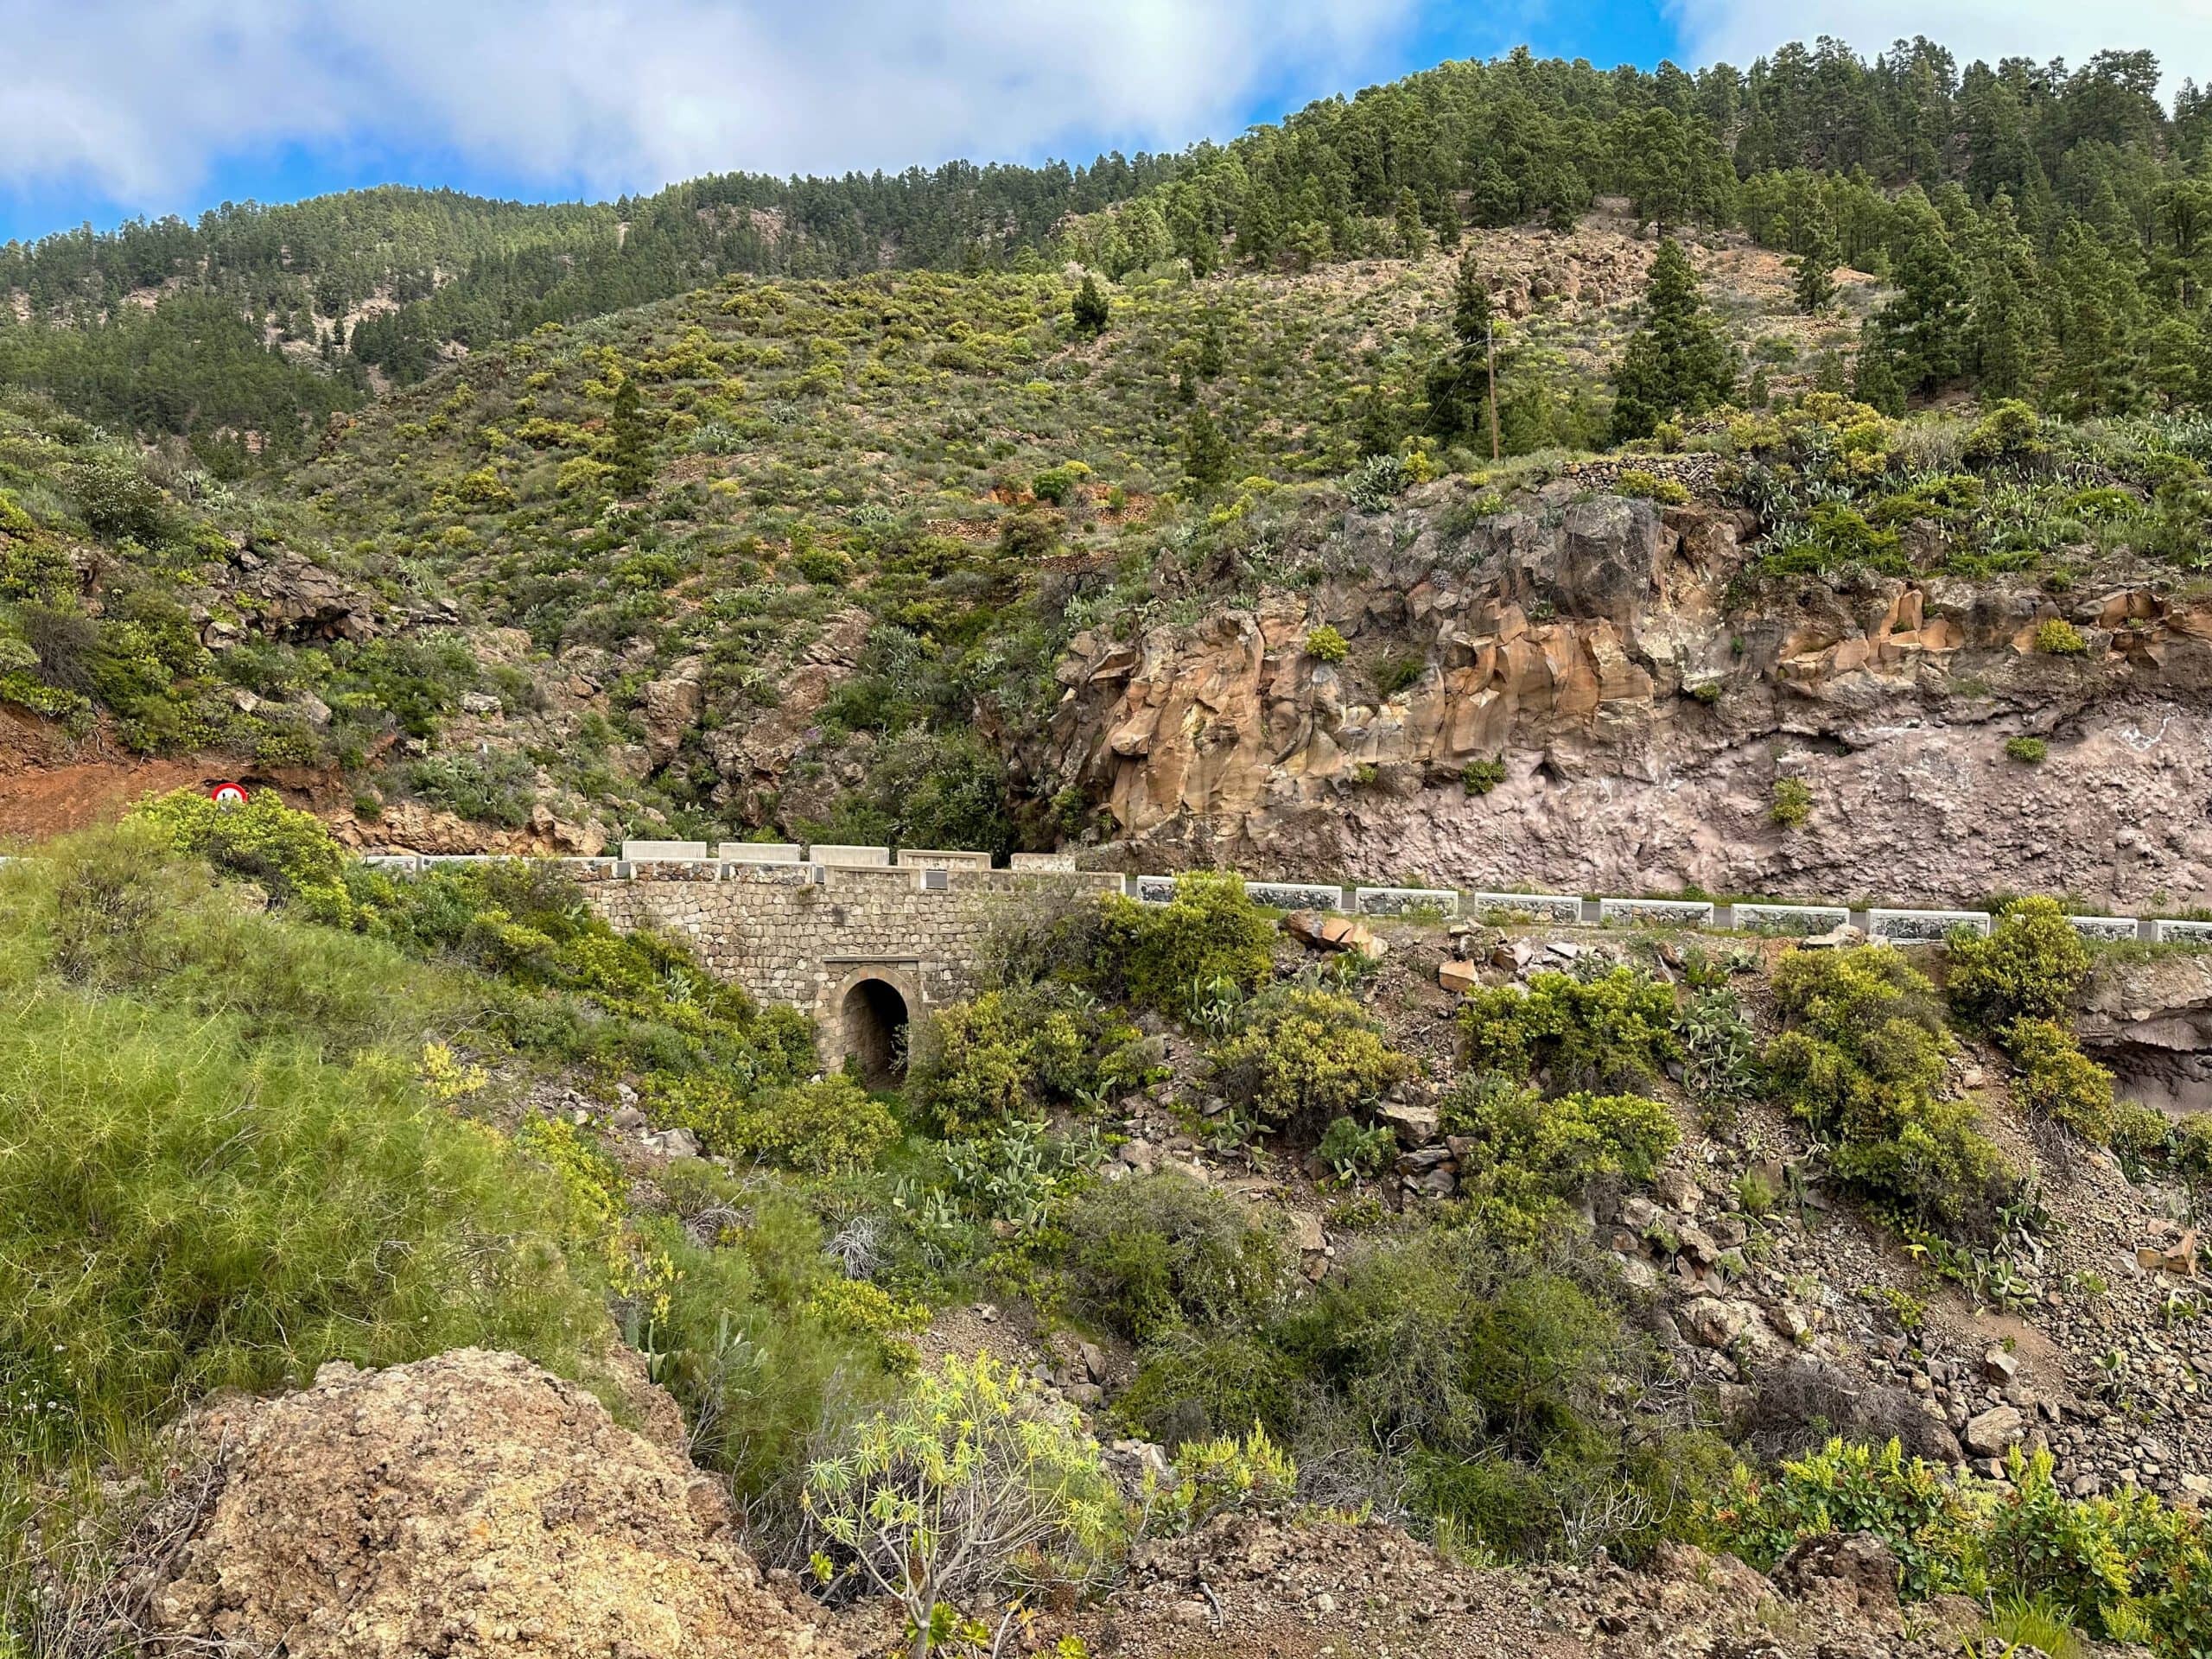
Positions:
{"x": 1458, "y": 386}
{"x": 1376, "y": 431}
{"x": 1213, "y": 352}
{"x": 1412, "y": 229}
{"x": 1677, "y": 361}
{"x": 1090, "y": 312}
{"x": 629, "y": 443}
{"x": 1206, "y": 452}
{"x": 2004, "y": 337}
{"x": 1874, "y": 376}
{"x": 1924, "y": 327}
{"x": 1816, "y": 282}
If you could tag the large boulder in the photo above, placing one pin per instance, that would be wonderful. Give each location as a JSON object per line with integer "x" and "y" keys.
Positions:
{"x": 467, "y": 1506}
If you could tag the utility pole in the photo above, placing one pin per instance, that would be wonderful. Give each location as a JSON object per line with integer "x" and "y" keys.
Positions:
{"x": 1492, "y": 330}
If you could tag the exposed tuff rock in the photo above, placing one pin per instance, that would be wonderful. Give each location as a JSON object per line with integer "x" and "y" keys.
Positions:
{"x": 672, "y": 705}
{"x": 1643, "y": 702}
{"x": 470, "y": 1504}
{"x": 2150, "y": 1021}
{"x": 287, "y": 595}
{"x": 754, "y": 759}
{"x": 410, "y": 827}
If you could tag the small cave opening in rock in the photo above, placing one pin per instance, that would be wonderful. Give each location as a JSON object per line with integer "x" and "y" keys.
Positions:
{"x": 875, "y": 1032}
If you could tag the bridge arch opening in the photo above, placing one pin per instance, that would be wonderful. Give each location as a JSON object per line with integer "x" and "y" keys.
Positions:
{"x": 875, "y": 1019}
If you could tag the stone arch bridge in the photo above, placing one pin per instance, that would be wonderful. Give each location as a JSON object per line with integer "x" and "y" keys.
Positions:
{"x": 863, "y": 943}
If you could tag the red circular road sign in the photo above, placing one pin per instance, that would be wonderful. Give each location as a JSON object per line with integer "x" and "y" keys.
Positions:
{"x": 227, "y": 794}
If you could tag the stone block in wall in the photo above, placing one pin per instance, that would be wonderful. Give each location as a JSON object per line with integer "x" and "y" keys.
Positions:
{"x": 591, "y": 869}
{"x": 925, "y": 858}
{"x": 1565, "y": 907}
{"x": 1396, "y": 901}
{"x": 1657, "y": 912}
{"x": 1036, "y": 861}
{"x": 1295, "y": 895}
{"x": 2167, "y": 932}
{"x": 639, "y": 852}
{"x": 1922, "y": 926}
{"x": 1794, "y": 921}
{"x": 851, "y": 857}
{"x": 2109, "y": 929}
{"x": 759, "y": 852}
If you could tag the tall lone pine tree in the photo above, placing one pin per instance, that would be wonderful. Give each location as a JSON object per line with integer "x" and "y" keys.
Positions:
{"x": 1677, "y": 362}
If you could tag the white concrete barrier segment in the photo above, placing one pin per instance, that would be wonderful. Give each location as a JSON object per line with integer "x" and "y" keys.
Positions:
{"x": 1796, "y": 921}
{"x": 1922, "y": 926}
{"x": 925, "y": 858}
{"x": 1295, "y": 895}
{"x": 1565, "y": 907}
{"x": 1396, "y": 901}
{"x": 2105, "y": 927}
{"x": 760, "y": 852}
{"x": 1662, "y": 913}
{"x": 657, "y": 852}
{"x": 856, "y": 858}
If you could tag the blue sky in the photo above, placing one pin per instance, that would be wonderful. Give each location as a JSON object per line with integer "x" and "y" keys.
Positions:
{"x": 117, "y": 107}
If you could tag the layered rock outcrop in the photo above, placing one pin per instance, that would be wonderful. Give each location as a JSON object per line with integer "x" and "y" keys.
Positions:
{"x": 1643, "y": 695}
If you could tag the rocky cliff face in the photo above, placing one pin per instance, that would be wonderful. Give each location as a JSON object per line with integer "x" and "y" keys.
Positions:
{"x": 2150, "y": 1020}
{"x": 1643, "y": 695}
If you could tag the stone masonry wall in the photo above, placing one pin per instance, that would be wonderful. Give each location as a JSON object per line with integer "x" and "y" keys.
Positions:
{"x": 806, "y": 935}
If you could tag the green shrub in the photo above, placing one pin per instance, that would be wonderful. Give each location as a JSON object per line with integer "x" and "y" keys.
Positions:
{"x": 1156, "y": 1254}
{"x": 1476, "y": 1369}
{"x": 1302, "y": 1057}
{"x": 1356, "y": 1153}
{"x": 1862, "y": 1063}
{"x": 499, "y": 788}
{"x": 969, "y": 1486}
{"x": 1250, "y": 1474}
{"x": 2028, "y": 966}
{"x": 1906, "y": 1503}
{"x": 1194, "y": 1385}
{"x": 1793, "y": 802}
{"x": 2123, "y": 1568}
{"x": 2140, "y": 1134}
{"x": 570, "y": 988}
{"x": 1613, "y": 1032}
{"x": 1634, "y": 481}
{"x": 821, "y": 1128}
{"x": 2192, "y": 1149}
{"x": 1325, "y": 645}
{"x": 1055, "y": 485}
{"x": 2028, "y": 750}
{"x": 289, "y": 852}
{"x": 1172, "y": 956}
{"x": 1013, "y": 1054}
{"x": 2058, "y": 1081}
{"x": 1520, "y": 1154}
{"x": 183, "y": 1208}
{"x": 1480, "y": 777}
{"x": 2056, "y": 637}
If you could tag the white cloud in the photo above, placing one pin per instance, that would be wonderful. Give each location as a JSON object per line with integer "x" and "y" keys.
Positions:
{"x": 2179, "y": 31}
{"x": 139, "y": 99}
